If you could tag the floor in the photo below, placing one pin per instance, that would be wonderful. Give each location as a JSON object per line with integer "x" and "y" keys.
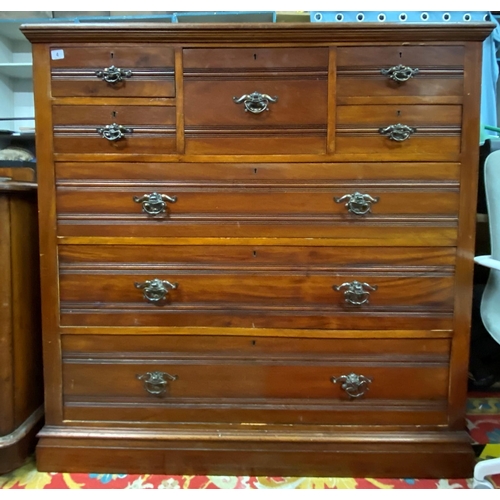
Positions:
{"x": 483, "y": 421}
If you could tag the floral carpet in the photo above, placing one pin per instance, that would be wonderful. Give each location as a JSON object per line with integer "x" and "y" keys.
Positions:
{"x": 483, "y": 421}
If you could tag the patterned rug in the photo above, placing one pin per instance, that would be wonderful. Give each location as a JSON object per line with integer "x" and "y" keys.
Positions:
{"x": 483, "y": 421}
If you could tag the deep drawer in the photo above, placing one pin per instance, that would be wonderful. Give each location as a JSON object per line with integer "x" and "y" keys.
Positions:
{"x": 255, "y": 380}
{"x": 255, "y": 211}
{"x": 272, "y": 203}
{"x": 140, "y": 129}
{"x": 295, "y": 123}
{"x": 113, "y": 71}
{"x": 269, "y": 292}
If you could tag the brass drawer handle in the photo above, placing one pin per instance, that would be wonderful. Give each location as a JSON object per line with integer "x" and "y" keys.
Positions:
{"x": 255, "y": 102}
{"x": 156, "y": 290}
{"x": 113, "y": 132}
{"x": 399, "y": 73}
{"x": 358, "y": 203}
{"x": 356, "y": 293}
{"x": 354, "y": 385}
{"x": 398, "y": 132}
{"x": 155, "y": 383}
{"x": 154, "y": 203}
{"x": 113, "y": 74}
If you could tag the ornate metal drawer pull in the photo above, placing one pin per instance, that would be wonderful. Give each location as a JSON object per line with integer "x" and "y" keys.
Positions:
{"x": 255, "y": 102}
{"x": 399, "y": 73}
{"x": 113, "y": 132}
{"x": 354, "y": 385}
{"x": 155, "y": 383}
{"x": 398, "y": 132}
{"x": 154, "y": 203}
{"x": 356, "y": 293}
{"x": 156, "y": 290}
{"x": 113, "y": 74}
{"x": 358, "y": 203}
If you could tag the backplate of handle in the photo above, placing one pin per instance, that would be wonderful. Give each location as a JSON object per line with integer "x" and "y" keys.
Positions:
{"x": 154, "y": 203}
{"x": 255, "y": 102}
{"x": 155, "y": 290}
{"x": 113, "y": 132}
{"x": 355, "y": 292}
{"x": 400, "y": 73}
{"x": 113, "y": 74}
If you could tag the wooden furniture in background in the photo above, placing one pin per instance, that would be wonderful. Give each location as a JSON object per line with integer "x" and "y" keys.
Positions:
{"x": 257, "y": 246}
{"x": 21, "y": 383}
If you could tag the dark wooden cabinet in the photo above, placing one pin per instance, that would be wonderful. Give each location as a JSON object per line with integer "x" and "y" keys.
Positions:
{"x": 257, "y": 246}
{"x": 21, "y": 381}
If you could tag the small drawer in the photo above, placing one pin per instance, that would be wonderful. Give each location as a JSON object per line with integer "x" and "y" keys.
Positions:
{"x": 258, "y": 58}
{"x": 400, "y": 131}
{"x": 249, "y": 116}
{"x": 261, "y": 380}
{"x": 380, "y": 116}
{"x": 400, "y": 74}
{"x": 113, "y": 71}
{"x": 114, "y": 129}
{"x": 415, "y": 56}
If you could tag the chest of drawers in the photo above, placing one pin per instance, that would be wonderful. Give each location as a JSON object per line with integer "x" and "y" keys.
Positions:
{"x": 257, "y": 247}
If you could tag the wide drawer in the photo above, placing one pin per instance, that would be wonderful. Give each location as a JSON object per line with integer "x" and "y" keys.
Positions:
{"x": 272, "y": 292}
{"x": 113, "y": 71}
{"x": 271, "y": 203}
{"x": 114, "y": 129}
{"x": 172, "y": 379}
{"x": 263, "y": 174}
{"x": 289, "y": 116}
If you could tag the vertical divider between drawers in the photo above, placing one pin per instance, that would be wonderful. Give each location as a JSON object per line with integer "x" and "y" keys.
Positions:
{"x": 179, "y": 100}
{"x": 332, "y": 100}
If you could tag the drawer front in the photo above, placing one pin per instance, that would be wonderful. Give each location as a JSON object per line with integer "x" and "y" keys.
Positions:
{"x": 255, "y": 286}
{"x": 113, "y": 71}
{"x": 286, "y": 258}
{"x": 380, "y": 116}
{"x": 295, "y": 123}
{"x": 112, "y": 129}
{"x": 171, "y": 210}
{"x": 257, "y": 58}
{"x": 300, "y": 102}
{"x": 255, "y": 380}
{"x": 415, "y": 56}
{"x": 263, "y": 174}
{"x": 271, "y": 203}
{"x": 400, "y": 131}
{"x": 428, "y": 74}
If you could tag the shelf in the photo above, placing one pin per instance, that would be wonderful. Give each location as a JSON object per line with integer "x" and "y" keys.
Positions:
{"x": 23, "y": 71}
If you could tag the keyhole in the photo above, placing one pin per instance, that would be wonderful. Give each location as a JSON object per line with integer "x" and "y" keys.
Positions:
{"x": 400, "y": 54}
{"x": 112, "y": 54}
{"x": 113, "y": 114}
{"x": 255, "y": 57}
{"x": 398, "y": 113}
{"x": 254, "y": 342}
{"x": 254, "y": 170}
{"x": 255, "y": 253}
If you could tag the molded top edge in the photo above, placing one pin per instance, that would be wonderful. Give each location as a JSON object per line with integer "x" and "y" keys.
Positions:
{"x": 255, "y": 32}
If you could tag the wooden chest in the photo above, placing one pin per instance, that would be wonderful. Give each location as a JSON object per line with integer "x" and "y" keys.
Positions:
{"x": 257, "y": 246}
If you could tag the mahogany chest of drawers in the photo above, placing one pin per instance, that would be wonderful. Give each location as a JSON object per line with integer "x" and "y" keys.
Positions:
{"x": 257, "y": 246}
